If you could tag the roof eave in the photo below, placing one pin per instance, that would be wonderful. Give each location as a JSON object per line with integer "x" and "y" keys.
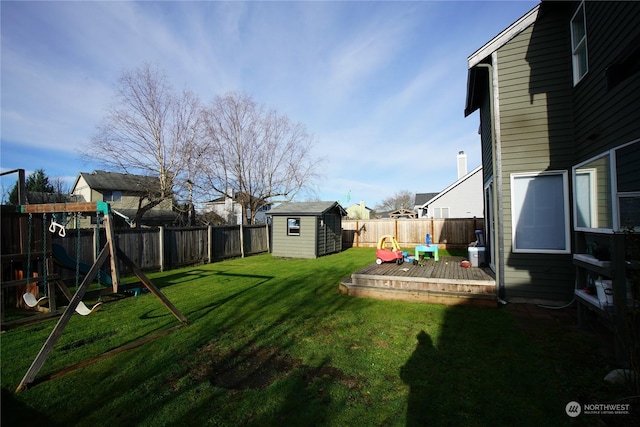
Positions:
{"x": 484, "y": 53}
{"x": 503, "y": 38}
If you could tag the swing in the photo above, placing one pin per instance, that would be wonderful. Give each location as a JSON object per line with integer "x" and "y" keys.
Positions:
{"x": 29, "y": 298}
{"x": 82, "y": 308}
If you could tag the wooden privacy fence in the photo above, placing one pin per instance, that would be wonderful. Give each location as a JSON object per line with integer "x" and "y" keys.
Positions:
{"x": 448, "y": 232}
{"x": 166, "y": 248}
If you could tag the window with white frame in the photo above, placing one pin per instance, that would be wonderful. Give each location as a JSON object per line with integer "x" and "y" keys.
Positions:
{"x": 606, "y": 190}
{"x": 579, "y": 44}
{"x": 441, "y": 212}
{"x": 540, "y": 210}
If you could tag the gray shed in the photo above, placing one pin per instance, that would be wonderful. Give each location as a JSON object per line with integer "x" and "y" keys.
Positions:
{"x": 306, "y": 229}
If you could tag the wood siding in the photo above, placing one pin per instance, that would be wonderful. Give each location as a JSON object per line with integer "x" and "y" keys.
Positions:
{"x": 486, "y": 138}
{"x": 534, "y": 87}
{"x": 329, "y": 235}
{"x": 302, "y": 246}
{"x": 606, "y": 118}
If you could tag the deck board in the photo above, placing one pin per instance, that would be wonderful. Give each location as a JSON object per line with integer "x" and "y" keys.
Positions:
{"x": 443, "y": 281}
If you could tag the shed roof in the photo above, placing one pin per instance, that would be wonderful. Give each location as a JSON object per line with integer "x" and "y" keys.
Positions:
{"x": 306, "y": 208}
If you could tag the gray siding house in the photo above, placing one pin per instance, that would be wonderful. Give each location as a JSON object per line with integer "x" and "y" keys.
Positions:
{"x": 558, "y": 95}
{"x": 462, "y": 199}
{"x": 306, "y": 229}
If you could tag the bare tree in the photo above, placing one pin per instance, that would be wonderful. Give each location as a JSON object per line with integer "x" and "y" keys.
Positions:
{"x": 261, "y": 154}
{"x": 400, "y": 200}
{"x": 150, "y": 130}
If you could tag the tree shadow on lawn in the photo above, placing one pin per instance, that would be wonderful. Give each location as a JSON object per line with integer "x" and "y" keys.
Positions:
{"x": 163, "y": 375}
{"x": 201, "y": 312}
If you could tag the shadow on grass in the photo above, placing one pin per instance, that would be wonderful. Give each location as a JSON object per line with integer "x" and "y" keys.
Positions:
{"x": 416, "y": 375}
{"x": 17, "y": 413}
{"x": 205, "y": 310}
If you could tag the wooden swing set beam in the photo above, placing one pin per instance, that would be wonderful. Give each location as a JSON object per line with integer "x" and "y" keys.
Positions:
{"x": 66, "y": 207}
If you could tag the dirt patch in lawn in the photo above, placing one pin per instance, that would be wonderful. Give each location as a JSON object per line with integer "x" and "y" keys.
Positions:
{"x": 256, "y": 368}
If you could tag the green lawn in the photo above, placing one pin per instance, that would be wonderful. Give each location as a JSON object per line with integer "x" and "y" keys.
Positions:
{"x": 272, "y": 342}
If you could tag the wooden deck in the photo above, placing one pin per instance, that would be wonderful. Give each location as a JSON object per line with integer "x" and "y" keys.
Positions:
{"x": 441, "y": 282}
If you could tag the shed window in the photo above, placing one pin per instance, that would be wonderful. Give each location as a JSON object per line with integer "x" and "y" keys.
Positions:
{"x": 540, "y": 208}
{"x": 293, "y": 226}
{"x": 579, "y": 44}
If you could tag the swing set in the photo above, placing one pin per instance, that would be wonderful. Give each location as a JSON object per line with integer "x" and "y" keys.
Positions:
{"x": 61, "y": 229}
{"x": 108, "y": 251}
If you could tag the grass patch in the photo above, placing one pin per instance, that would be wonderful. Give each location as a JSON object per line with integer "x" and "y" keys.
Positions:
{"x": 272, "y": 342}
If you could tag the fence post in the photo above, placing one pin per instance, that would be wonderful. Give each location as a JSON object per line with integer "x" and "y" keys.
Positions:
{"x": 210, "y": 244}
{"x": 161, "y": 248}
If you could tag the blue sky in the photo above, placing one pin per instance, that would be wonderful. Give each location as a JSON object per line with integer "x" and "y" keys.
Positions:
{"x": 381, "y": 85}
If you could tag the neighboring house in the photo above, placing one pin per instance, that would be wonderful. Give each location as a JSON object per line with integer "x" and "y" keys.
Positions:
{"x": 420, "y": 200}
{"x": 125, "y": 193}
{"x": 462, "y": 199}
{"x": 230, "y": 209}
{"x": 306, "y": 229}
{"x": 358, "y": 211}
{"x": 558, "y": 95}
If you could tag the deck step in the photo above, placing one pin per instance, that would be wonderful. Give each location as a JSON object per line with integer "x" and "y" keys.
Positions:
{"x": 425, "y": 296}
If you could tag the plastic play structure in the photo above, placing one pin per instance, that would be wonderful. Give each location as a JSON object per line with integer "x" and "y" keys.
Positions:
{"x": 383, "y": 254}
{"x": 63, "y": 259}
{"x": 25, "y": 276}
{"x": 427, "y": 248}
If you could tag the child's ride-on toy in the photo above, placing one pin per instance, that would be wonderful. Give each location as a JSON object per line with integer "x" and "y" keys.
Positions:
{"x": 389, "y": 255}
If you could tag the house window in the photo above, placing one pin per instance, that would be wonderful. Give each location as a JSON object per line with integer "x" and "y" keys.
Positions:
{"x": 607, "y": 190}
{"x": 112, "y": 196}
{"x": 592, "y": 194}
{"x": 540, "y": 209}
{"x": 579, "y": 44}
{"x": 293, "y": 226}
{"x": 441, "y": 212}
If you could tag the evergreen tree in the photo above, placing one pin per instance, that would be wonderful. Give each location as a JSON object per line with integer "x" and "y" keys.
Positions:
{"x": 37, "y": 182}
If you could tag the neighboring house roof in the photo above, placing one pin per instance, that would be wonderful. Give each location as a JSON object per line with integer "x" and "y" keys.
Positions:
{"x": 306, "y": 208}
{"x": 102, "y": 180}
{"x": 37, "y": 197}
{"x": 237, "y": 197}
{"x": 422, "y": 198}
{"x": 452, "y": 186}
